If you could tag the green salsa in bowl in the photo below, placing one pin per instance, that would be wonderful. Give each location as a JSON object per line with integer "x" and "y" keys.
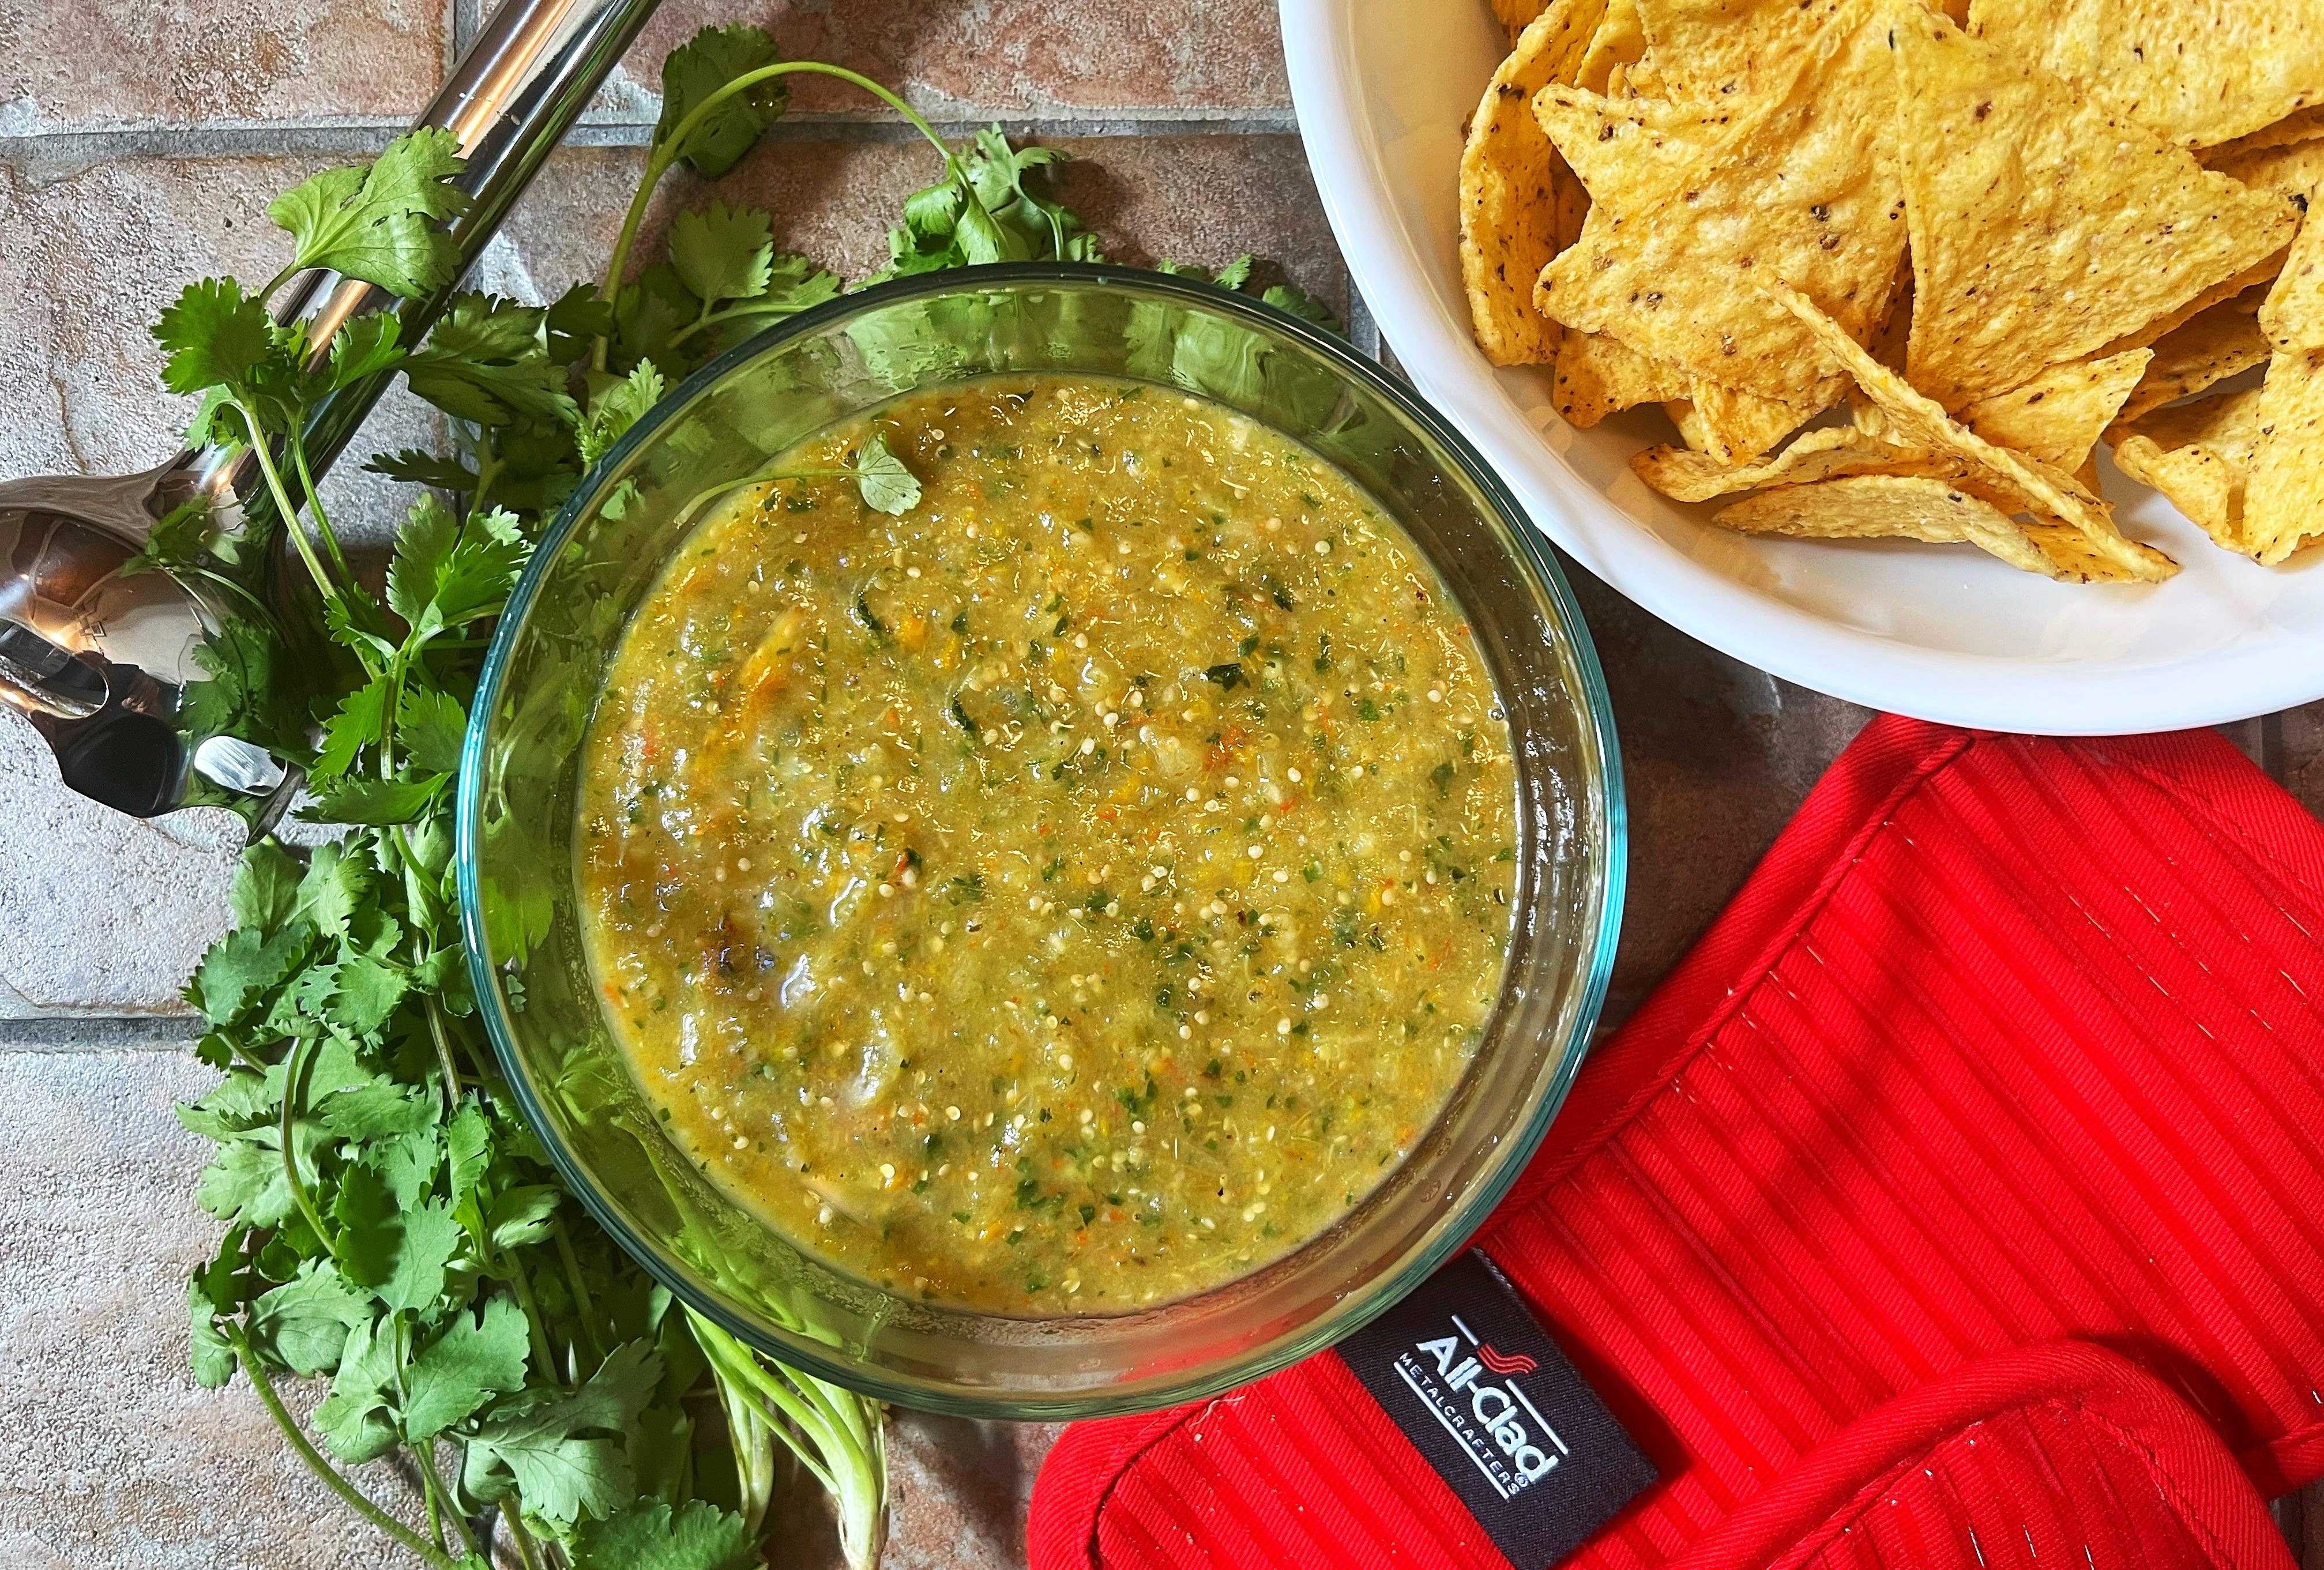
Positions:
{"x": 1042, "y": 842}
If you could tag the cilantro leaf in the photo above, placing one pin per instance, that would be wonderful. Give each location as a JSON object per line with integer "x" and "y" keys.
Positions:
{"x": 380, "y": 221}
{"x": 566, "y": 1454}
{"x": 487, "y": 362}
{"x": 430, "y": 727}
{"x": 483, "y": 567}
{"x": 649, "y": 1536}
{"x": 213, "y": 336}
{"x": 443, "y": 574}
{"x": 418, "y": 468}
{"x": 265, "y": 892}
{"x": 464, "y": 1367}
{"x": 399, "y": 1253}
{"x": 375, "y": 1110}
{"x": 723, "y": 253}
{"x": 354, "y": 726}
{"x": 696, "y": 71}
{"x": 363, "y": 347}
{"x": 334, "y": 888}
{"x": 303, "y": 1324}
{"x": 1290, "y": 297}
{"x": 241, "y": 969}
{"x": 353, "y": 1418}
{"x": 620, "y": 404}
{"x": 421, "y": 545}
{"x": 521, "y": 1215}
{"x": 244, "y": 1184}
{"x": 212, "y": 1291}
{"x": 362, "y": 993}
{"x": 376, "y": 802}
{"x": 887, "y": 486}
{"x": 467, "y": 1146}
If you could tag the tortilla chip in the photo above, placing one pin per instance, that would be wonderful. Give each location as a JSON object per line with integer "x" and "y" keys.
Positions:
{"x": 2200, "y": 455}
{"x": 1798, "y": 189}
{"x": 2195, "y": 74}
{"x": 2221, "y": 342}
{"x": 2257, "y": 276}
{"x": 2292, "y": 314}
{"x": 1618, "y": 42}
{"x": 2290, "y": 170}
{"x": 1598, "y": 375}
{"x": 1716, "y": 50}
{"x": 2043, "y": 227}
{"x": 1824, "y": 454}
{"x": 1888, "y": 341}
{"x": 1735, "y": 427}
{"x": 2057, "y": 417}
{"x": 1507, "y": 193}
{"x": 2284, "y": 503}
{"x": 1517, "y": 16}
{"x": 2300, "y": 125}
{"x": 1910, "y": 418}
{"x": 1888, "y": 507}
{"x": 1614, "y": 140}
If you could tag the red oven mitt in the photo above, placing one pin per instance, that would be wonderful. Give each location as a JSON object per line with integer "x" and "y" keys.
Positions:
{"x": 1958, "y": 1201}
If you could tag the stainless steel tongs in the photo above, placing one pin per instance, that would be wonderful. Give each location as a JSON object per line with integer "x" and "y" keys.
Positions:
{"x": 98, "y": 660}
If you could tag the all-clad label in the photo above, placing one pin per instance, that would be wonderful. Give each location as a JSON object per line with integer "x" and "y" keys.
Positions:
{"x": 1489, "y": 1401}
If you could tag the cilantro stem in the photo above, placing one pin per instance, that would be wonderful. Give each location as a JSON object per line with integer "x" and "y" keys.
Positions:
{"x": 573, "y": 1278}
{"x": 543, "y": 1353}
{"x": 710, "y": 318}
{"x": 439, "y": 1497}
{"x": 444, "y": 1053}
{"x": 665, "y": 153}
{"x": 315, "y": 505}
{"x": 294, "y": 1071}
{"x": 835, "y": 1434}
{"x": 262, "y": 450}
{"x": 528, "y": 1552}
{"x": 328, "y": 1475}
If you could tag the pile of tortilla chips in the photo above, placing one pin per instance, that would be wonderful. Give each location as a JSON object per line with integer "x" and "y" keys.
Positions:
{"x": 1895, "y": 268}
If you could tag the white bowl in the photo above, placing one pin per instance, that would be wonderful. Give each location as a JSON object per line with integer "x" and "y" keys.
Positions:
{"x": 1383, "y": 88}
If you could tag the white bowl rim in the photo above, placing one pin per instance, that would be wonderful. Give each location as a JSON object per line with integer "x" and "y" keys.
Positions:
{"x": 2258, "y": 675}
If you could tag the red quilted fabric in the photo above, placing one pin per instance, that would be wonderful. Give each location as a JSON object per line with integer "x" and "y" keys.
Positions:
{"x": 2009, "y": 1042}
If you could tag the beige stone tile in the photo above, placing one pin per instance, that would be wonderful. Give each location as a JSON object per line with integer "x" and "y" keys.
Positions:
{"x": 1715, "y": 757}
{"x": 1013, "y": 59}
{"x": 89, "y": 254}
{"x": 83, "y": 65}
{"x": 957, "y": 1489}
{"x": 109, "y": 1453}
{"x": 104, "y": 913}
{"x": 1203, "y": 199}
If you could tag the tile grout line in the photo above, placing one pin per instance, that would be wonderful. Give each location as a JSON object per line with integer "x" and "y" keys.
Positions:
{"x": 291, "y": 137}
{"x": 60, "y": 1033}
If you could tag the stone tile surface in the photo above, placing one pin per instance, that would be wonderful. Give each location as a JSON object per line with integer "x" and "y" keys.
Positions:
{"x": 90, "y": 250}
{"x": 960, "y": 59}
{"x": 110, "y": 1455}
{"x": 1193, "y": 198}
{"x": 1715, "y": 757}
{"x": 86, "y": 65}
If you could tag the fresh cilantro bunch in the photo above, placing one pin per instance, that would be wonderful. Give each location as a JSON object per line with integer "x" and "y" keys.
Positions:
{"x": 392, "y": 1225}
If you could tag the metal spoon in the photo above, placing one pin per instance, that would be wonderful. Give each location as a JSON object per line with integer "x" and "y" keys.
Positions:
{"x": 99, "y": 660}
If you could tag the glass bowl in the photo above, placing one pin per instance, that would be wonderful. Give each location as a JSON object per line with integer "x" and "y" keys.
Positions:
{"x": 518, "y": 899}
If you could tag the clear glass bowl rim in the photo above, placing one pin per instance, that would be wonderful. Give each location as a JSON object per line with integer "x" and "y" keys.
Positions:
{"x": 1351, "y": 1313}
